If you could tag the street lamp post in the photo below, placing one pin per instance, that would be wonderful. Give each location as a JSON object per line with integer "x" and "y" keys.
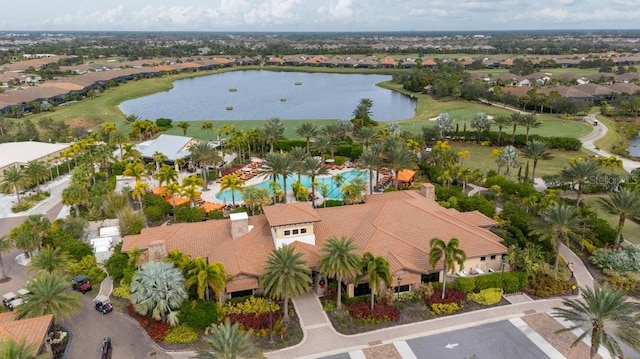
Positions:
{"x": 399, "y": 279}
{"x": 502, "y": 277}
{"x": 270, "y": 323}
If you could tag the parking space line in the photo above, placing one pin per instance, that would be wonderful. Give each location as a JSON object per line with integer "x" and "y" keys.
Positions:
{"x": 404, "y": 350}
{"x": 537, "y": 339}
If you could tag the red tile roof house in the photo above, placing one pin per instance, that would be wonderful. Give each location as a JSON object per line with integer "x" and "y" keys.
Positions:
{"x": 33, "y": 330}
{"x": 395, "y": 225}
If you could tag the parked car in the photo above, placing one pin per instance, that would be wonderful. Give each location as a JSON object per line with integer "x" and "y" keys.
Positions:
{"x": 106, "y": 348}
{"x": 81, "y": 283}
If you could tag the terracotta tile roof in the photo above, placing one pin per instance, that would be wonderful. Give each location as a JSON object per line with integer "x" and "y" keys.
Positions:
{"x": 33, "y": 330}
{"x": 208, "y": 206}
{"x": 242, "y": 284}
{"x": 292, "y": 213}
{"x": 405, "y": 176}
{"x": 396, "y": 225}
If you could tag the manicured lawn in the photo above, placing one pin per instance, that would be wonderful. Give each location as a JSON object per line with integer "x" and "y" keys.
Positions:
{"x": 480, "y": 159}
{"x": 630, "y": 231}
{"x": 290, "y": 127}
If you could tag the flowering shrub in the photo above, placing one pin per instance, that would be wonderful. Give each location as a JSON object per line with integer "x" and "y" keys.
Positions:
{"x": 181, "y": 334}
{"x": 445, "y": 308}
{"x": 489, "y": 296}
{"x": 450, "y": 296}
{"x": 626, "y": 281}
{"x": 380, "y": 313}
{"x": 158, "y": 330}
{"x": 545, "y": 286}
{"x": 251, "y": 305}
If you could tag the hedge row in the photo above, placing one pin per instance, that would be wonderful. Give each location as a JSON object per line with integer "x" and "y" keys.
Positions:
{"x": 511, "y": 282}
{"x": 560, "y": 143}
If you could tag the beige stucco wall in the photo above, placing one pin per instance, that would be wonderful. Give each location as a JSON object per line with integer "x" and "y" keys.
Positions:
{"x": 280, "y": 230}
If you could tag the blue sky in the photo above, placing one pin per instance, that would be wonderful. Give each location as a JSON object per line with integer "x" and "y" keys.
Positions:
{"x": 319, "y": 15}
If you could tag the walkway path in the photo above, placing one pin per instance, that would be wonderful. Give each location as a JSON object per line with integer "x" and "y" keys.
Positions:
{"x": 599, "y": 132}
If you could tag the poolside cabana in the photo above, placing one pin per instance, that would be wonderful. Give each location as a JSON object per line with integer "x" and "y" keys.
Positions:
{"x": 178, "y": 200}
{"x": 209, "y": 207}
{"x": 405, "y": 177}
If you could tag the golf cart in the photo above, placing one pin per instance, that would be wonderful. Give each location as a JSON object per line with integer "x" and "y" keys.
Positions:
{"x": 81, "y": 283}
{"x": 11, "y": 300}
{"x": 106, "y": 348}
{"x": 8, "y": 298}
{"x": 104, "y": 306}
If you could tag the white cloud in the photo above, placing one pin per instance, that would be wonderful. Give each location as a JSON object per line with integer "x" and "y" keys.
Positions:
{"x": 341, "y": 10}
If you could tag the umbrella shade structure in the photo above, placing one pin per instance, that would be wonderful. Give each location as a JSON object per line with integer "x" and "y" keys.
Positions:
{"x": 208, "y": 207}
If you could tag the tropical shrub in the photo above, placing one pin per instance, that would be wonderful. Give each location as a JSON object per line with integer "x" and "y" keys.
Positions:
{"x": 626, "y": 281}
{"x": 423, "y": 291}
{"x": 381, "y": 313}
{"x": 546, "y": 286}
{"x": 489, "y": 296}
{"x": 466, "y": 284}
{"x": 181, "y": 334}
{"x": 154, "y": 213}
{"x": 451, "y": 296}
{"x": 253, "y": 314}
{"x": 251, "y": 305}
{"x": 445, "y": 308}
{"x": 624, "y": 259}
{"x": 89, "y": 267}
{"x": 185, "y": 213}
{"x": 123, "y": 291}
{"x": 117, "y": 263}
{"x": 158, "y": 330}
{"x": 198, "y": 314}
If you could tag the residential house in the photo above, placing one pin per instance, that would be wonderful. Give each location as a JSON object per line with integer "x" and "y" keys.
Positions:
{"x": 34, "y": 331}
{"x": 395, "y": 225}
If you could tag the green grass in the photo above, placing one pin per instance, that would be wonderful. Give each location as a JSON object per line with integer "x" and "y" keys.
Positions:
{"x": 290, "y": 127}
{"x": 480, "y": 158}
{"x": 555, "y": 72}
{"x": 631, "y": 229}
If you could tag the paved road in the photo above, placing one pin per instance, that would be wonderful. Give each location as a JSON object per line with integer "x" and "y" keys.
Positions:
{"x": 598, "y": 132}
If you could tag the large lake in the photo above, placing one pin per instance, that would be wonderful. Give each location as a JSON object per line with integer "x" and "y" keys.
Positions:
{"x": 265, "y": 94}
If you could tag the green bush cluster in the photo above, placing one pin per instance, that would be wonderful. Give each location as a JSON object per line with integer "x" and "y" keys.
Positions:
{"x": 357, "y": 299}
{"x": 488, "y": 296}
{"x": 625, "y": 259}
{"x": 626, "y": 281}
{"x": 350, "y": 150}
{"x": 445, "y": 308}
{"x": 332, "y": 203}
{"x": 123, "y": 291}
{"x": 156, "y": 207}
{"x": 253, "y": 304}
{"x": 286, "y": 145}
{"x": 511, "y": 282}
{"x": 181, "y": 334}
{"x": 198, "y": 314}
{"x": 546, "y": 286}
{"x": 29, "y": 201}
{"x": 185, "y": 213}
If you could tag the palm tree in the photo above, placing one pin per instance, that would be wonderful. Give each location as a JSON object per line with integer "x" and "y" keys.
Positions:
{"x": 13, "y": 349}
{"x": 255, "y": 198}
{"x": 228, "y": 341}
{"x": 36, "y": 171}
{"x": 580, "y": 173}
{"x": 50, "y": 260}
{"x": 481, "y": 123}
{"x": 131, "y": 153}
{"x": 139, "y": 191}
{"x": 75, "y": 195}
{"x": 536, "y": 150}
{"x": 204, "y": 154}
{"x": 157, "y": 289}
{"x": 352, "y": 192}
{"x": 171, "y": 189}
{"x": 297, "y": 154}
{"x": 159, "y": 158}
{"x": 362, "y": 112}
{"x": 514, "y": 120}
{"x": 109, "y": 127}
{"x": 321, "y": 144}
{"x": 307, "y": 130}
{"x": 50, "y": 294}
{"x": 529, "y": 121}
{"x": 313, "y": 167}
{"x": 606, "y": 315}
{"x": 377, "y": 269}
{"x": 624, "y": 204}
{"x": 14, "y": 181}
{"x": 338, "y": 260}
{"x": 5, "y": 247}
{"x": 118, "y": 138}
{"x": 184, "y": 125}
{"x": 449, "y": 253}
{"x": 135, "y": 170}
{"x": 501, "y": 121}
{"x": 366, "y": 136}
{"x": 369, "y": 161}
{"x": 207, "y": 126}
{"x": 399, "y": 158}
{"x": 559, "y": 224}
{"x": 166, "y": 174}
{"x": 272, "y": 131}
{"x": 206, "y": 276}
{"x": 277, "y": 164}
{"x": 180, "y": 260}
{"x": 233, "y": 184}
{"x": 285, "y": 276}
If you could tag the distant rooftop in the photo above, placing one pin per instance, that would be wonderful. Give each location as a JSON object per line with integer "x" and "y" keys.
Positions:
{"x": 174, "y": 147}
{"x": 23, "y": 152}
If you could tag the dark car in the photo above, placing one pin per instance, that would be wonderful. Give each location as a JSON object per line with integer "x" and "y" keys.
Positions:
{"x": 105, "y": 308}
{"x": 106, "y": 348}
{"x": 81, "y": 283}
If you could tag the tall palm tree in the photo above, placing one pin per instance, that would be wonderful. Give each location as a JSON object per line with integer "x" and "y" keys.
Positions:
{"x": 297, "y": 154}
{"x": 171, "y": 189}
{"x": 184, "y": 125}
{"x": 377, "y": 269}
{"x": 157, "y": 289}
{"x": 135, "y": 170}
{"x": 49, "y": 294}
{"x": 13, "y": 349}
{"x": 75, "y": 195}
{"x": 307, "y": 130}
{"x": 560, "y": 223}
{"x": 36, "y": 171}
{"x": 272, "y": 131}
{"x": 338, "y": 260}
{"x": 204, "y": 154}
{"x": 50, "y": 260}
{"x": 398, "y": 157}
{"x": 207, "y": 276}
{"x": 277, "y": 164}
{"x": 514, "y": 120}
{"x": 536, "y": 150}
{"x": 139, "y": 191}
{"x": 501, "y": 121}
{"x": 179, "y": 260}
{"x": 322, "y": 144}
{"x": 362, "y": 112}
{"x": 285, "y": 276}
{"x": 369, "y": 161}
{"x": 529, "y": 121}
{"x": 192, "y": 193}
{"x": 5, "y": 247}
{"x": 334, "y": 134}
{"x": 14, "y": 181}
{"x": 449, "y": 253}
{"x": 109, "y": 127}
{"x": 119, "y": 138}
{"x": 131, "y": 153}
{"x": 159, "y": 158}
{"x": 207, "y": 126}
{"x": 313, "y": 167}
{"x": 228, "y": 341}
{"x": 607, "y": 316}
{"x": 366, "y": 136}
{"x": 233, "y": 184}
{"x": 166, "y": 174}
{"x": 352, "y": 192}
{"x": 625, "y": 204}
{"x": 580, "y": 173}
{"x": 255, "y": 198}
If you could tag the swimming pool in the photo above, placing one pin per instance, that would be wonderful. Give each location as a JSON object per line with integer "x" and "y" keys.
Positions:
{"x": 334, "y": 191}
